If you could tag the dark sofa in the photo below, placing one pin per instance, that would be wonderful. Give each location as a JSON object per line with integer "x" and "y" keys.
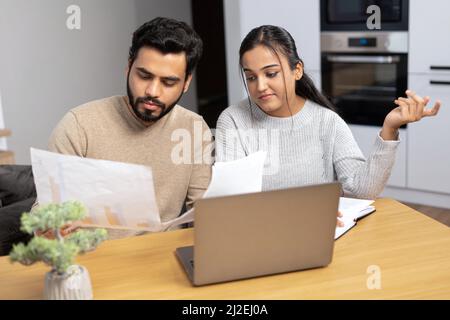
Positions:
{"x": 17, "y": 195}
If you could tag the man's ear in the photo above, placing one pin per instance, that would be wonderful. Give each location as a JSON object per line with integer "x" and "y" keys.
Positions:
{"x": 187, "y": 83}
{"x": 128, "y": 68}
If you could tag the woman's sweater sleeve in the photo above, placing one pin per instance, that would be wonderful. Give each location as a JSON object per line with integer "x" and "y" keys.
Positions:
{"x": 360, "y": 177}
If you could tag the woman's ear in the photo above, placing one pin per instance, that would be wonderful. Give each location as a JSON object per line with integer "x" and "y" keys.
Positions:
{"x": 298, "y": 71}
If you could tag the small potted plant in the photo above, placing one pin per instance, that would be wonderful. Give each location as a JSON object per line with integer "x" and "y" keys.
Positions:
{"x": 65, "y": 281}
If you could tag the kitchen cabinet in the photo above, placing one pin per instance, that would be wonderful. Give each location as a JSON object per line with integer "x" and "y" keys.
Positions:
{"x": 300, "y": 18}
{"x": 429, "y": 139}
{"x": 429, "y": 28}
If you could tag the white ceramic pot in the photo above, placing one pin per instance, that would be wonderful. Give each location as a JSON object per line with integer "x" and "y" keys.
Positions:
{"x": 75, "y": 284}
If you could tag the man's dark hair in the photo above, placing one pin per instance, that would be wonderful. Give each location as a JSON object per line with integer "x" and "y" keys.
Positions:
{"x": 168, "y": 36}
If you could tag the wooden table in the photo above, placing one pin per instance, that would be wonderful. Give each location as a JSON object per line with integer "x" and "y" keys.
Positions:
{"x": 411, "y": 251}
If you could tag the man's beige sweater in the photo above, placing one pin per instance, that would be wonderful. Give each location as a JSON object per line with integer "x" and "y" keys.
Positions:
{"x": 108, "y": 129}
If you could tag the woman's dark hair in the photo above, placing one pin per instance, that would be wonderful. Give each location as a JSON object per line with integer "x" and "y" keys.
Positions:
{"x": 168, "y": 36}
{"x": 278, "y": 39}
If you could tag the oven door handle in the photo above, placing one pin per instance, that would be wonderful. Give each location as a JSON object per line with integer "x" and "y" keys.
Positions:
{"x": 364, "y": 59}
{"x": 440, "y": 82}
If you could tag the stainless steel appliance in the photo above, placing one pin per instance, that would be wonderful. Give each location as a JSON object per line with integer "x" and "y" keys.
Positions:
{"x": 364, "y": 72}
{"x": 351, "y": 15}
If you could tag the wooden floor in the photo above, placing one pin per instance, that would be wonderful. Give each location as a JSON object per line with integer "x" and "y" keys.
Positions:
{"x": 440, "y": 214}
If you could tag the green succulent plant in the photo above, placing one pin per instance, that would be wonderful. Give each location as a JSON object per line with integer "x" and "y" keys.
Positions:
{"x": 59, "y": 253}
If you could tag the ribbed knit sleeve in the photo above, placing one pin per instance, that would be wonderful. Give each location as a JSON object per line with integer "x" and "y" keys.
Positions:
{"x": 360, "y": 177}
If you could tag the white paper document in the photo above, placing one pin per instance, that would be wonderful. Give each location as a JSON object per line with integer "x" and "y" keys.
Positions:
{"x": 352, "y": 210}
{"x": 237, "y": 177}
{"x": 230, "y": 178}
{"x": 117, "y": 195}
{"x": 121, "y": 195}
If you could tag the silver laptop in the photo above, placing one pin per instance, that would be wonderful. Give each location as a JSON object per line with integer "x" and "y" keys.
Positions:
{"x": 264, "y": 233}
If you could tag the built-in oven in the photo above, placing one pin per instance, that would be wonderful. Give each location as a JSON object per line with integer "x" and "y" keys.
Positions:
{"x": 363, "y": 73}
{"x": 352, "y": 15}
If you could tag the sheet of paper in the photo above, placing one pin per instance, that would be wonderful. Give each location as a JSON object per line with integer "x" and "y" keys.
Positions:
{"x": 186, "y": 217}
{"x": 352, "y": 207}
{"x": 230, "y": 178}
{"x": 117, "y": 195}
{"x": 351, "y": 210}
{"x": 121, "y": 195}
{"x": 237, "y": 177}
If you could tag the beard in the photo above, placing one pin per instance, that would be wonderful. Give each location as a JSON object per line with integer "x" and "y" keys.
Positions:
{"x": 145, "y": 114}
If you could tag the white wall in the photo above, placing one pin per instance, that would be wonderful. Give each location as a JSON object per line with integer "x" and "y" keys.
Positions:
{"x": 233, "y": 37}
{"x": 300, "y": 17}
{"x": 47, "y": 69}
{"x": 3, "y": 142}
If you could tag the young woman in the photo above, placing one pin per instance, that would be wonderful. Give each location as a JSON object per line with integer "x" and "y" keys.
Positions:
{"x": 306, "y": 140}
